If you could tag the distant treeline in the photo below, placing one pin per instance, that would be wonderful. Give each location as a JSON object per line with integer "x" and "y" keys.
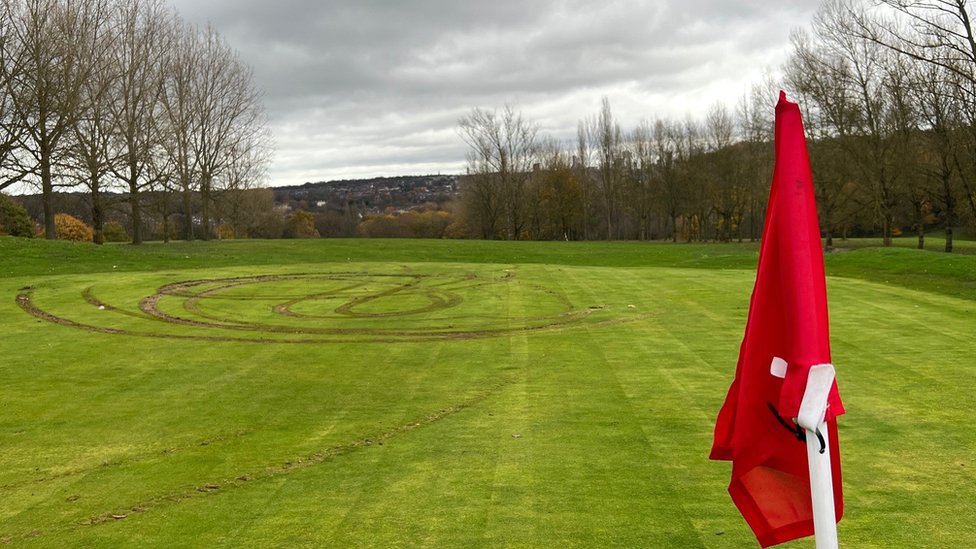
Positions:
{"x": 246, "y": 213}
{"x": 889, "y": 98}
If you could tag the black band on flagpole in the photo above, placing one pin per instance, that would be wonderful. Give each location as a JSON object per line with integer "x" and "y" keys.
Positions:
{"x": 796, "y": 430}
{"x": 793, "y": 428}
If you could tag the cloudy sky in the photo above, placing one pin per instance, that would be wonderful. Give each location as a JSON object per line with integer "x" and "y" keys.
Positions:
{"x": 359, "y": 88}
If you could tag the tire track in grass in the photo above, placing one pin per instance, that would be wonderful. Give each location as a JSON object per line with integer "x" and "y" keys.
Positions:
{"x": 268, "y": 472}
{"x": 896, "y": 306}
{"x": 129, "y": 460}
{"x": 499, "y": 492}
{"x": 906, "y": 464}
{"x": 491, "y": 502}
{"x": 895, "y": 338}
{"x": 369, "y": 488}
{"x": 559, "y": 322}
{"x": 682, "y": 412}
{"x": 652, "y": 442}
{"x": 429, "y": 491}
{"x": 696, "y": 379}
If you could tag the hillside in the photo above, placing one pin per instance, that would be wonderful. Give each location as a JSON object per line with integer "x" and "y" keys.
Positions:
{"x": 376, "y": 194}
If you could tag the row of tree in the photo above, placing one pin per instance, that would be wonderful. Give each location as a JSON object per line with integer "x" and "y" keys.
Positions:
{"x": 889, "y": 94}
{"x": 689, "y": 179}
{"x": 891, "y": 98}
{"x": 124, "y": 95}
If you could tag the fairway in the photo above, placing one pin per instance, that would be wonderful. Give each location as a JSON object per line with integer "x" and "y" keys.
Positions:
{"x": 450, "y": 394}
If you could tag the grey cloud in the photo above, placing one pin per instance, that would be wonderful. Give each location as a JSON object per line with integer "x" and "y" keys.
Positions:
{"x": 353, "y": 86}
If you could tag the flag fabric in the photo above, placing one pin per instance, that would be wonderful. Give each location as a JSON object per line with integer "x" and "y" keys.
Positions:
{"x": 786, "y": 334}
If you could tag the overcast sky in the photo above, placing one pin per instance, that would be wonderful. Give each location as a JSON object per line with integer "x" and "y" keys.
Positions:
{"x": 359, "y": 88}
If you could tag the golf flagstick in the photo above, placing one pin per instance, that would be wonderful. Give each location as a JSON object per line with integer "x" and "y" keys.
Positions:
{"x": 783, "y": 373}
{"x": 813, "y": 409}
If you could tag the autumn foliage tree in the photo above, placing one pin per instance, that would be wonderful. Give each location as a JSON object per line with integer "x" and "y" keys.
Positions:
{"x": 69, "y": 227}
{"x": 502, "y": 149}
{"x": 301, "y": 224}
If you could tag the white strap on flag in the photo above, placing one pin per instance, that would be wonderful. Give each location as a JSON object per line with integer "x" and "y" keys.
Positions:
{"x": 813, "y": 407}
{"x": 778, "y": 367}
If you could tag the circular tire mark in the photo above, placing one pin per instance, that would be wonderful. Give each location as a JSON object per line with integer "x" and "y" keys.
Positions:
{"x": 372, "y": 307}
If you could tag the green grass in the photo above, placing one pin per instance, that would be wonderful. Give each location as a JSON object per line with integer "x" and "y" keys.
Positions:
{"x": 474, "y": 394}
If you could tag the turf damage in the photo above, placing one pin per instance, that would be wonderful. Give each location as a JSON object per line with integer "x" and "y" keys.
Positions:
{"x": 328, "y": 307}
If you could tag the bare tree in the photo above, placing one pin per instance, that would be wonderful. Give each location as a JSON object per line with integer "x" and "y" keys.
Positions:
{"x": 903, "y": 119}
{"x": 669, "y": 154}
{"x": 939, "y": 33}
{"x": 228, "y": 110}
{"x": 694, "y": 179}
{"x": 723, "y": 175}
{"x": 145, "y": 34}
{"x": 481, "y": 201}
{"x": 582, "y": 166}
{"x": 846, "y": 78}
{"x": 54, "y": 54}
{"x": 754, "y": 116}
{"x": 11, "y": 66}
{"x": 818, "y": 80}
{"x": 642, "y": 172}
{"x": 179, "y": 125}
{"x": 502, "y": 148}
{"x": 89, "y": 157}
{"x": 161, "y": 190}
{"x": 938, "y": 148}
{"x": 606, "y": 139}
{"x": 246, "y": 171}
{"x": 92, "y": 88}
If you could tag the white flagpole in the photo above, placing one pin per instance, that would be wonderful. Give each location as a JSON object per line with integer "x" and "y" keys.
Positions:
{"x": 813, "y": 409}
{"x": 822, "y": 490}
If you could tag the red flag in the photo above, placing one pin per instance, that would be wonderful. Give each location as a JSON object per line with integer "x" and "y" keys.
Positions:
{"x": 786, "y": 334}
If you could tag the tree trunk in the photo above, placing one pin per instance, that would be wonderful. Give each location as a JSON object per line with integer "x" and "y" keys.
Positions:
{"x": 950, "y": 206}
{"x": 187, "y": 213}
{"x": 136, "y": 213}
{"x": 47, "y": 190}
{"x": 919, "y": 204}
{"x": 205, "y": 206}
{"x": 752, "y": 221}
{"x": 826, "y": 213}
{"x": 134, "y": 199}
{"x": 971, "y": 197}
{"x": 98, "y": 215}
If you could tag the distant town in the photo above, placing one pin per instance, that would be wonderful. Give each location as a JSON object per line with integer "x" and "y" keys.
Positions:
{"x": 374, "y": 195}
